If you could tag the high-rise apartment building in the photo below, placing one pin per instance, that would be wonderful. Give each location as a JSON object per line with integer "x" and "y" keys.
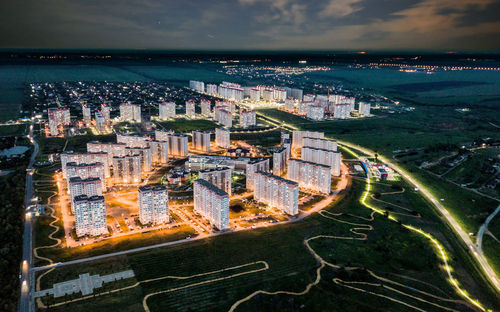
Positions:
{"x": 206, "y": 109}
{"x": 212, "y": 203}
{"x": 58, "y": 119}
{"x": 279, "y": 161}
{"x": 364, "y": 109}
{"x": 247, "y": 118}
{"x": 159, "y": 152}
{"x": 87, "y": 116}
{"x": 145, "y": 156}
{"x": 277, "y": 192}
{"x": 341, "y": 111}
{"x": 222, "y": 137}
{"x": 177, "y": 142}
{"x": 78, "y": 186}
{"x": 132, "y": 140}
{"x": 326, "y": 144}
{"x": 85, "y": 171}
{"x": 84, "y": 158}
{"x": 100, "y": 122}
{"x": 190, "y": 109}
{"x": 110, "y": 148}
{"x": 211, "y": 89}
{"x": 106, "y": 112}
{"x": 309, "y": 175}
{"x": 298, "y": 136}
{"x": 130, "y": 112}
{"x": 323, "y": 157}
{"x": 197, "y": 85}
{"x": 90, "y": 216}
{"x": 315, "y": 112}
{"x": 223, "y": 116}
{"x": 252, "y": 167}
{"x": 127, "y": 169}
{"x": 220, "y": 177}
{"x": 153, "y": 205}
{"x": 201, "y": 141}
{"x": 230, "y": 91}
{"x": 166, "y": 110}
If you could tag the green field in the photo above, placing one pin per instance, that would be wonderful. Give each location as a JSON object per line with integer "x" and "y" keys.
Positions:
{"x": 187, "y": 125}
{"x": 390, "y": 249}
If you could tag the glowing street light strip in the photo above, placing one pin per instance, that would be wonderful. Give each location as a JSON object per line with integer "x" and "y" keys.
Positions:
{"x": 436, "y": 243}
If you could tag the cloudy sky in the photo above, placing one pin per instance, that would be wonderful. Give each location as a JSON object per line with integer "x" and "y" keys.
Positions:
{"x": 251, "y": 24}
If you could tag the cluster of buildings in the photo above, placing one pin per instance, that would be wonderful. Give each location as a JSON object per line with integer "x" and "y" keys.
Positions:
{"x": 235, "y": 92}
{"x": 317, "y": 107}
{"x": 58, "y": 119}
{"x": 166, "y": 110}
{"x": 91, "y": 174}
{"x": 130, "y": 112}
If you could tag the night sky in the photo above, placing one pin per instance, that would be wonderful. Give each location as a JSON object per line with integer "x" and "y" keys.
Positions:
{"x": 444, "y": 25}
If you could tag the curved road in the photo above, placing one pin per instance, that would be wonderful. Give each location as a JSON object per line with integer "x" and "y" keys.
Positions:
{"x": 478, "y": 256}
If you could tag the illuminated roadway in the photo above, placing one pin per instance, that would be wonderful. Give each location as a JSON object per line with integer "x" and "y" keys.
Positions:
{"x": 25, "y": 298}
{"x": 476, "y": 253}
{"x": 490, "y": 274}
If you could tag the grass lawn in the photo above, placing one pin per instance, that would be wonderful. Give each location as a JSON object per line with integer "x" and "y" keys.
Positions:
{"x": 491, "y": 249}
{"x": 187, "y": 125}
{"x": 389, "y": 249}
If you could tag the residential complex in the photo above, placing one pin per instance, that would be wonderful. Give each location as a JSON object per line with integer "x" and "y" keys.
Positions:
{"x": 87, "y": 115}
{"x": 322, "y": 156}
{"x": 58, "y": 119}
{"x": 364, "y": 109}
{"x": 85, "y": 171}
{"x": 223, "y": 116}
{"x": 197, "y": 85}
{"x": 212, "y": 203}
{"x": 220, "y": 177}
{"x": 277, "y": 192}
{"x": 159, "y": 152}
{"x": 90, "y": 215}
{"x": 252, "y": 167}
{"x": 78, "y": 186}
{"x": 206, "y": 109}
{"x": 247, "y": 118}
{"x": 309, "y": 175}
{"x": 327, "y": 144}
{"x": 279, "y": 161}
{"x": 84, "y": 158}
{"x": 222, "y": 137}
{"x": 177, "y": 142}
{"x": 153, "y": 205}
{"x": 190, "y": 109}
{"x": 127, "y": 169}
{"x": 201, "y": 141}
{"x": 106, "y": 112}
{"x": 166, "y": 110}
{"x": 145, "y": 156}
{"x": 132, "y": 140}
{"x": 298, "y": 137}
{"x": 315, "y": 112}
{"x": 130, "y": 112}
{"x": 110, "y": 148}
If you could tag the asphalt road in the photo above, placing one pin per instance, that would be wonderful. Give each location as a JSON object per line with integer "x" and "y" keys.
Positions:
{"x": 478, "y": 256}
{"x": 483, "y": 229}
{"x": 27, "y": 260}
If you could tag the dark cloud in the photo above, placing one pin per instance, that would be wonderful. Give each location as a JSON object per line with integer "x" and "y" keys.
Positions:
{"x": 251, "y": 24}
